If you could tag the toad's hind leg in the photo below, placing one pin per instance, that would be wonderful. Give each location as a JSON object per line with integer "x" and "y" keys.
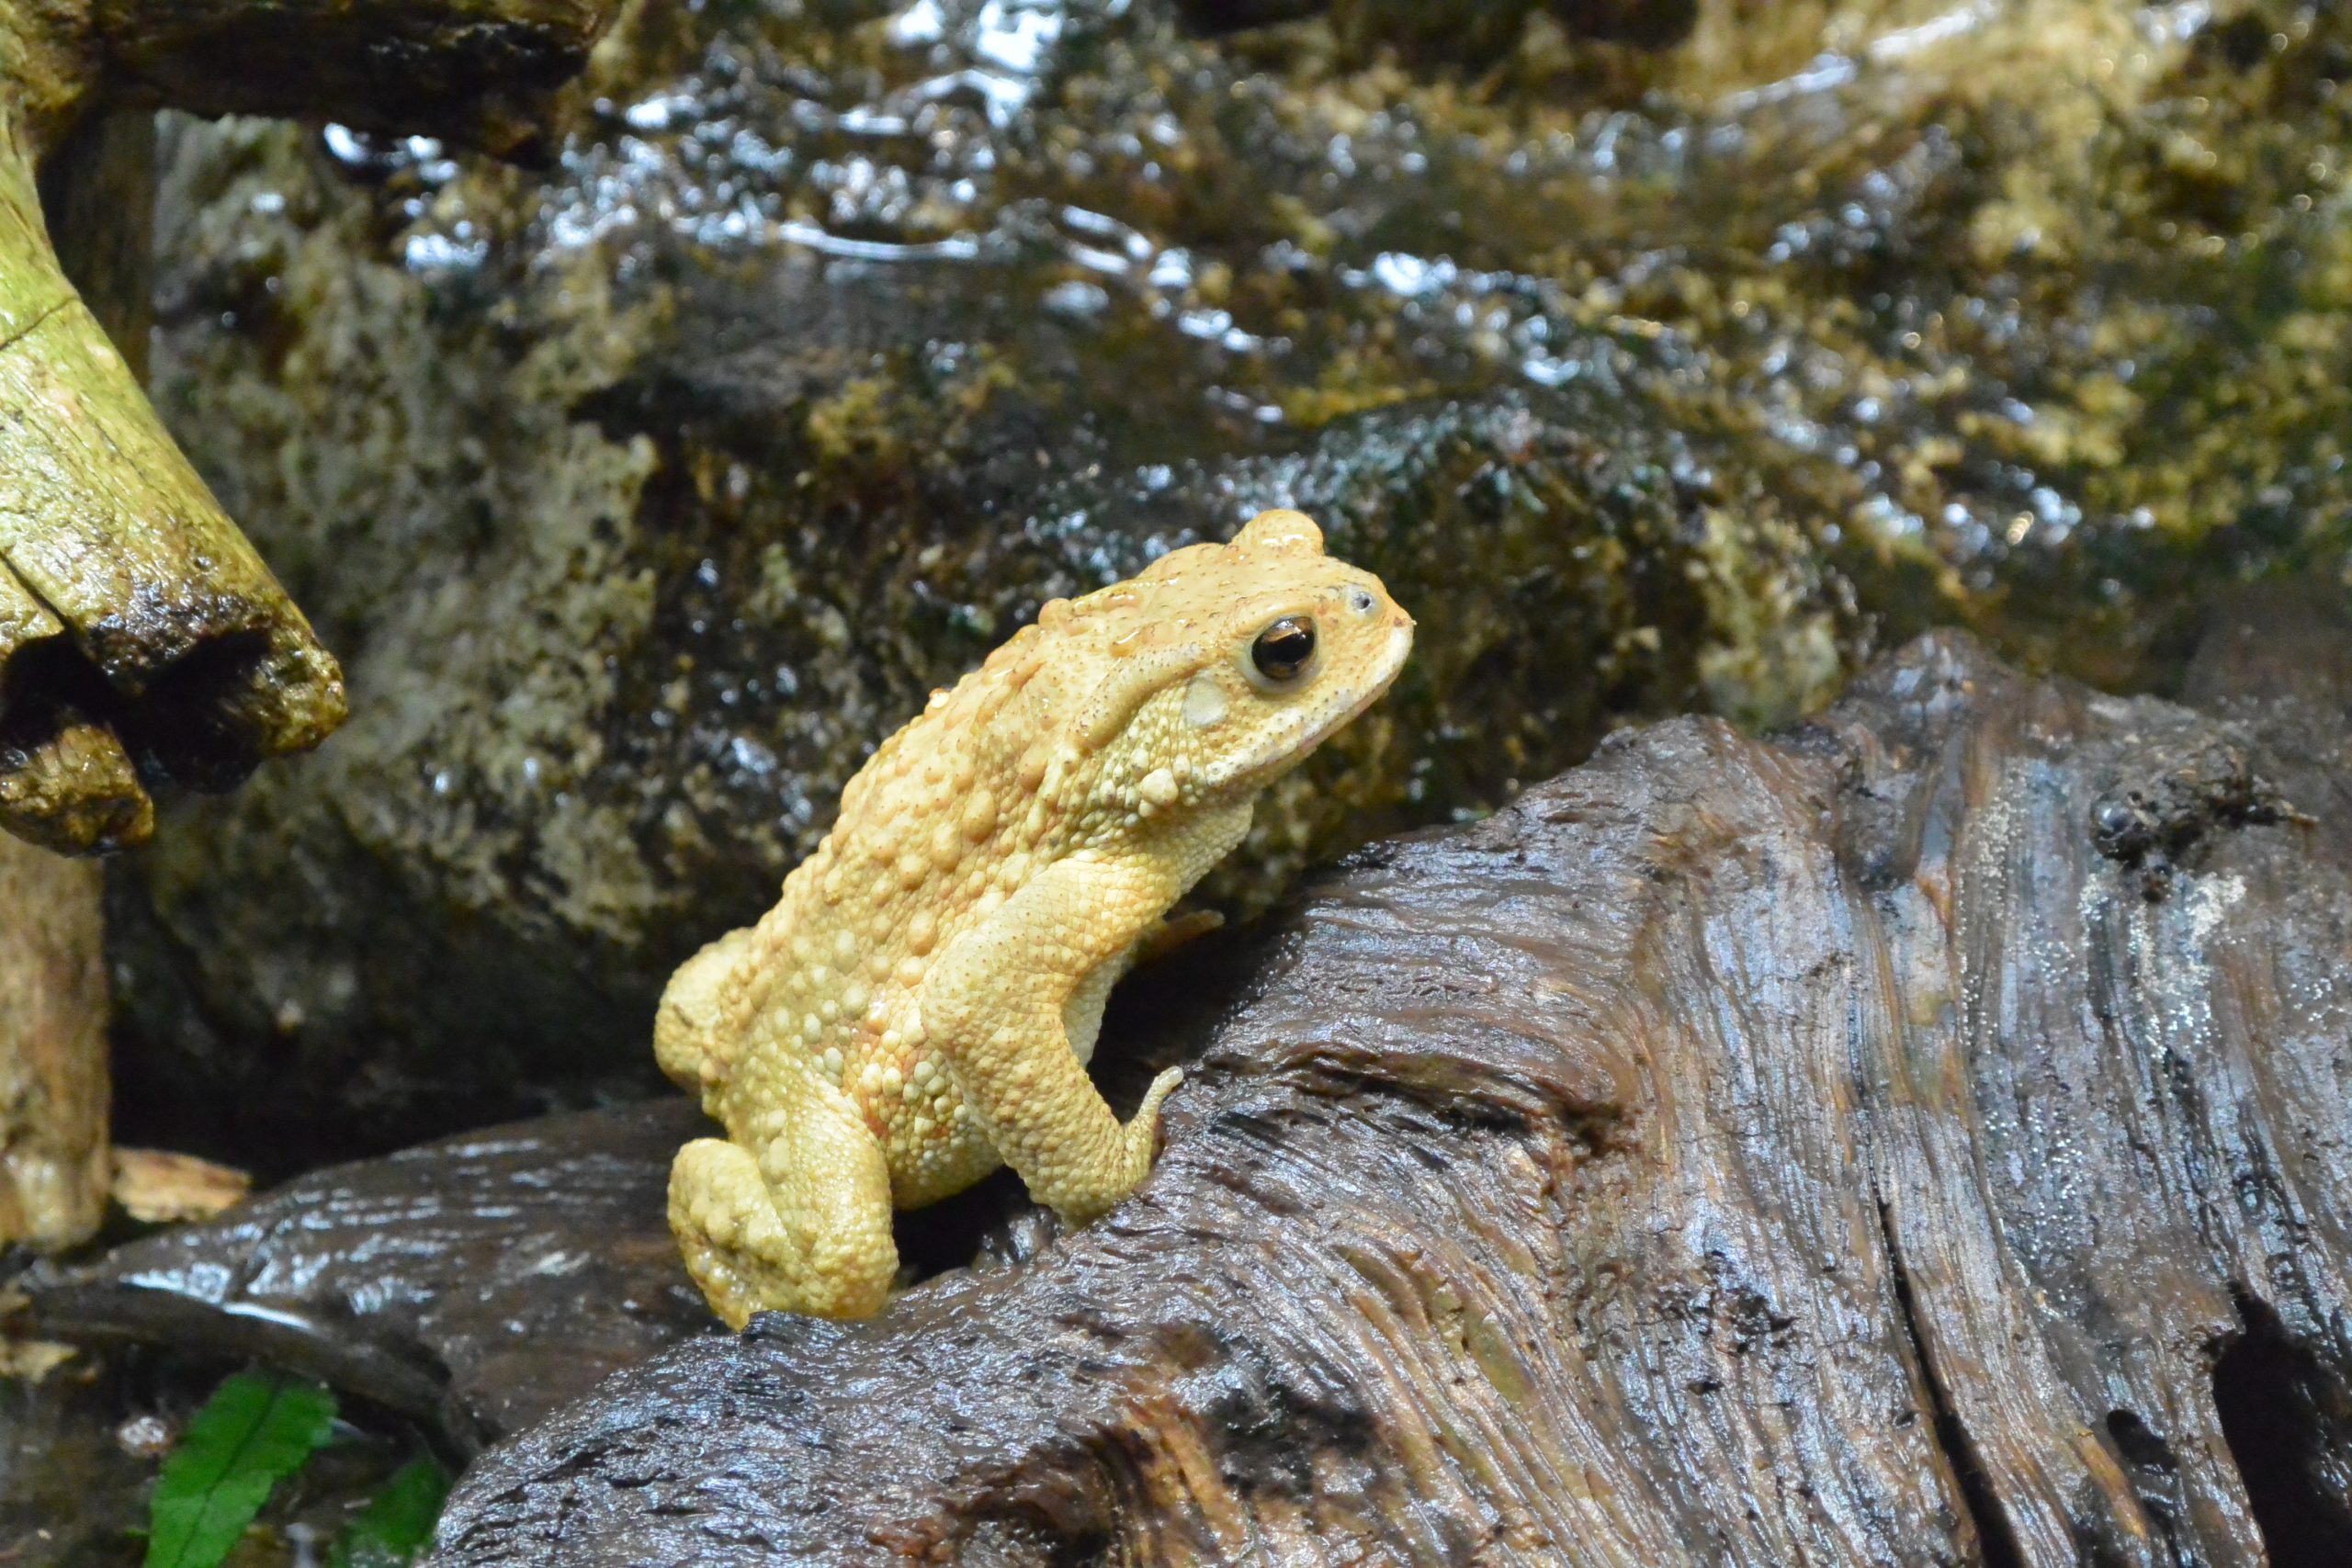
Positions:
{"x": 803, "y": 1224}
{"x": 692, "y": 1025}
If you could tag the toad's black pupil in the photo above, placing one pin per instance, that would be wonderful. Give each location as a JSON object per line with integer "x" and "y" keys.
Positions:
{"x": 1283, "y": 650}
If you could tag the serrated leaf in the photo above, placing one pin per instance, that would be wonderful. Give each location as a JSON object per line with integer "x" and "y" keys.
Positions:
{"x": 254, "y": 1432}
{"x": 397, "y": 1523}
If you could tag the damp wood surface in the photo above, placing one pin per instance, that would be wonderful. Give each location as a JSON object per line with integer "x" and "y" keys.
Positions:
{"x": 469, "y": 1286}
{"x": 1838, "y": 1148}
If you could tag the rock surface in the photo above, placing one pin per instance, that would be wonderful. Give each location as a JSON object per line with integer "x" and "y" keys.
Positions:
{"x": 1654, "y": 354}
{"x": 1824, "y": 1149}
{"x": 472, "y": 1285}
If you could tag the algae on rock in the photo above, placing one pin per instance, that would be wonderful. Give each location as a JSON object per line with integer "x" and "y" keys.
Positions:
{"x": 1651, "y": 371}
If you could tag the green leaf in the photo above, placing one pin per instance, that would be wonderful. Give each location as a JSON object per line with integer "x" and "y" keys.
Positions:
{"x": 256, "y": 1430}
{"x": 397, "y": 1523}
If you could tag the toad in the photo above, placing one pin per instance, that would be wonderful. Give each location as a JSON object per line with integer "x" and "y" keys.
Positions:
{"x": 919, "y": 1005}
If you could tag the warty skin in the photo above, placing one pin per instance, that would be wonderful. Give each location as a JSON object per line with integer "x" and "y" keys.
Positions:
{"x": 921, "y": 1004}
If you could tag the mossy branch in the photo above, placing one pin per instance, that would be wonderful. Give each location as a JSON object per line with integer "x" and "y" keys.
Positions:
{"x": 140, "y": 634}
{"x": 201, "y": 665}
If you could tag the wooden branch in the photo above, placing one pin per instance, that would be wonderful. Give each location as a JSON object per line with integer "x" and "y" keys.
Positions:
{"x": 66, "y": 784}
{"x": 204, "y": 665}
{"x": 139, "y": 633}
{"x": 53, "y": 1163}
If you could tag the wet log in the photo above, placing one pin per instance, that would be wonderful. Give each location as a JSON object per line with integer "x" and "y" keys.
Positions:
{"x": 471, "y": 1285}
{"x": 140, "y": 632}
{"x": 1919, "y": 1138}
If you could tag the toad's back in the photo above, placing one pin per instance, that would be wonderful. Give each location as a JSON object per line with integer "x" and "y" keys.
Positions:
{"x": 940, "y": 826}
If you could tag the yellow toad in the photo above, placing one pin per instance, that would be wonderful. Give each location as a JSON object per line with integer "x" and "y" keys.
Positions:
{"x": 919, "y": 1005}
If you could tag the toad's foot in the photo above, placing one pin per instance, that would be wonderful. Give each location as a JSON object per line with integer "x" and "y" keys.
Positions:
{"x": 1142, "y": 1130}
{"x": 810, "y": 1235}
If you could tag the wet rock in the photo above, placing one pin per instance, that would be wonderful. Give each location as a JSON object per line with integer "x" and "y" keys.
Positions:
{"x": 83, "y": 1440}
{"x": 1733, "y": 1151}
{"x": 471, "y": 1285}
{"x": 2277, "y": 657}
{"x": 1482, "y": 34}
{"x": 69, "y": 1489}
{"x": 643, "y": 495}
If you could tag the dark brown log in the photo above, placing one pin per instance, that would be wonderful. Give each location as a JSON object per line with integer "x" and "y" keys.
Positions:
{"x": 472, "y": 1285}
{"x": 1843, "y": 1149}
{"x": 473, "y": 69}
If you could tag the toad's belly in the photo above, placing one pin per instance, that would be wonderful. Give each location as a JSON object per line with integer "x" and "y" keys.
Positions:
{"x": 934, "y": 1147}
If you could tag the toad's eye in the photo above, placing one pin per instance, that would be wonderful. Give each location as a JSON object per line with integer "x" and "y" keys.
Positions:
{"x": 1283, "y": 650}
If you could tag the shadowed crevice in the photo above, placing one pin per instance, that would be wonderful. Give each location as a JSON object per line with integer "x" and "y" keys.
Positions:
{"x": 195, "y": 722}
{"x": 2287, "y": 1418}
{"x": 1996, "y": 1539}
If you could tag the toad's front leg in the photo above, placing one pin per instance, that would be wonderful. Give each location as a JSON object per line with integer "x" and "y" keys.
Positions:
{"x": 998, "y": 1009}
